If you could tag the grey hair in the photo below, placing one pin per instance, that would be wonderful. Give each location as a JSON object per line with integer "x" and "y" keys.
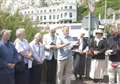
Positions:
{"x": 37, "y": 35}
{"x": 5, "y": 30}
{"x": 19, "y": 31}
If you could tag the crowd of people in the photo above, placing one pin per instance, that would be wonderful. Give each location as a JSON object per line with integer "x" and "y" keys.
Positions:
{"x": 65, "y": 58}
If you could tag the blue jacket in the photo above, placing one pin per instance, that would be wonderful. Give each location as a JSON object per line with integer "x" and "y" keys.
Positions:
{"x": 8, "y": 54}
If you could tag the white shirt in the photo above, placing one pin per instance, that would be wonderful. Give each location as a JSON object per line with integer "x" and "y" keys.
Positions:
{"x": 22, "y": 46}
{"x": 38, "y": 51}
{"x": 81, "y": 46}
{"x": 98, "y": 40}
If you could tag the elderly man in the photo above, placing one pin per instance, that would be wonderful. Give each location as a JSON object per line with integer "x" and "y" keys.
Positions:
{"x": 25, "y": 57}
{"x": 38, "y": 50}
{"x": 80, "y": 56}
{"x": 64, "y": 58}
{"x": 51, "y": 55}
{"x": 8, "y": 58}
{"x": 114, "y": 57}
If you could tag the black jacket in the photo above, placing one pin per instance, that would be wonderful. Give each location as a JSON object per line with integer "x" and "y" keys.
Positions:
{"x": 114, "y": 44}
{"x": 101, "y": 47}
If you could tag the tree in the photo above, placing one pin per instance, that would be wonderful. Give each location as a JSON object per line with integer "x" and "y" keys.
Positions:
{"x": 15, "y": 21}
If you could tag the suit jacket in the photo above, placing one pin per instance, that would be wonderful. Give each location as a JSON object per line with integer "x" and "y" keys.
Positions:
{"x": 84, "y": 45}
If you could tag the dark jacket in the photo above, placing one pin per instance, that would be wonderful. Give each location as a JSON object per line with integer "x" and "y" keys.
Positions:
{"x": 101, "y": 47}
{"x": 8, "y": 54}
{"x": 80, "y": 59}
{"x": 114, "y": 44}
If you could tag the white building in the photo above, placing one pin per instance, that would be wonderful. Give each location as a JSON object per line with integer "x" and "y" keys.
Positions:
{"x": 62, "y": 13}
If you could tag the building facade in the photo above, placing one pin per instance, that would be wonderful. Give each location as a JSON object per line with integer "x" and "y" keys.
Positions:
{"x": 62, "y": 13}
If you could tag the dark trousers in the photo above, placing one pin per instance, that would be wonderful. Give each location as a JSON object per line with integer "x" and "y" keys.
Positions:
{"x": 51, "y": 71}
{"x": 81, "y": 65}
{"x": 35, "y": 73}
{"x": 22, "y": 77}
{"x": 6, "y": 76}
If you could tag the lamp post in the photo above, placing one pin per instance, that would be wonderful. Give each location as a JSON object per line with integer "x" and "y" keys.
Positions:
{"x": 105, "y": 17}
{"x": 91, "y": 6}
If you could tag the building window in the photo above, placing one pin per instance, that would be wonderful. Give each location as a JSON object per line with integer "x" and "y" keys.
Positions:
{"x": 57, "y": 16}
{"x": 70, "y": 14}
{"x": 53, "y": 16}
{"x": 65, "y": 14}
{"x": 37, "y": 11}
{"x": 40, "y": 17}
{"x": 61, "y": 15}
{"x": 45, "y": 11}
{"x": 61, "y": 8}
{"x": 32, "y": 12}
{"x": 49, "y": 16}
{"x": 37, "y": 18}
{"x": 58, "y": 9}
{"x": 25, "y": 12}
{"x": 44, "y": 17}
{"x": 53, "y": 10}
{"x": 70, "y": 7}
{"x": 50, "y": 10}
{"x": 28, "y": 12}
{"x": 65, "y": 7}
{"x": 41, "y": 11}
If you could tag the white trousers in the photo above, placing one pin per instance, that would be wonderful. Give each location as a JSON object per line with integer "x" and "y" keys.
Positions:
{"x": 98, "y": 69}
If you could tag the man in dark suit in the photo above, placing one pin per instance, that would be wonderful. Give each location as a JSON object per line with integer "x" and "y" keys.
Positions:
{"x": 80, "y": 56}
{"x": 8, "y": 59}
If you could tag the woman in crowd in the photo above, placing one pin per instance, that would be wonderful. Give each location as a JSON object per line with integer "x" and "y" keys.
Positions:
{"x": 98, "y": 64}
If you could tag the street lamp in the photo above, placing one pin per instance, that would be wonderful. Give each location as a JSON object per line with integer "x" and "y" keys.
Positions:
{"x": 105, "y": 17}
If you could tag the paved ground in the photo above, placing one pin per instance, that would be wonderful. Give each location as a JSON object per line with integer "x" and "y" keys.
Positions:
{"x": 85, "y": 82}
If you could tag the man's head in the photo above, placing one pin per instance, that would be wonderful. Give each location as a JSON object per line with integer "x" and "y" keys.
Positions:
{"x": 65, "y": 31}
{"x": 38, "y": 37}
{"x": 82, "y": 34}
{"x": 20, "y": 33}
{"x": 115, "y": 32}
{"x": 52, "y": 31}
{"x": 6, "y": 34}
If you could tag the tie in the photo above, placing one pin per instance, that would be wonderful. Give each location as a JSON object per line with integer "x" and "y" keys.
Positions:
{"x": 53, "y": 41}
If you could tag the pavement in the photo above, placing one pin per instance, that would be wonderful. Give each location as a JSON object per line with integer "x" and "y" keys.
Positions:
{"x": 85, "y": 82}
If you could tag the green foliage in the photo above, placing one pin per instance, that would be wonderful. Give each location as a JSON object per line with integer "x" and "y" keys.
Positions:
{"x": 100, "y": 8}
{"x": 15, "y": 21}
